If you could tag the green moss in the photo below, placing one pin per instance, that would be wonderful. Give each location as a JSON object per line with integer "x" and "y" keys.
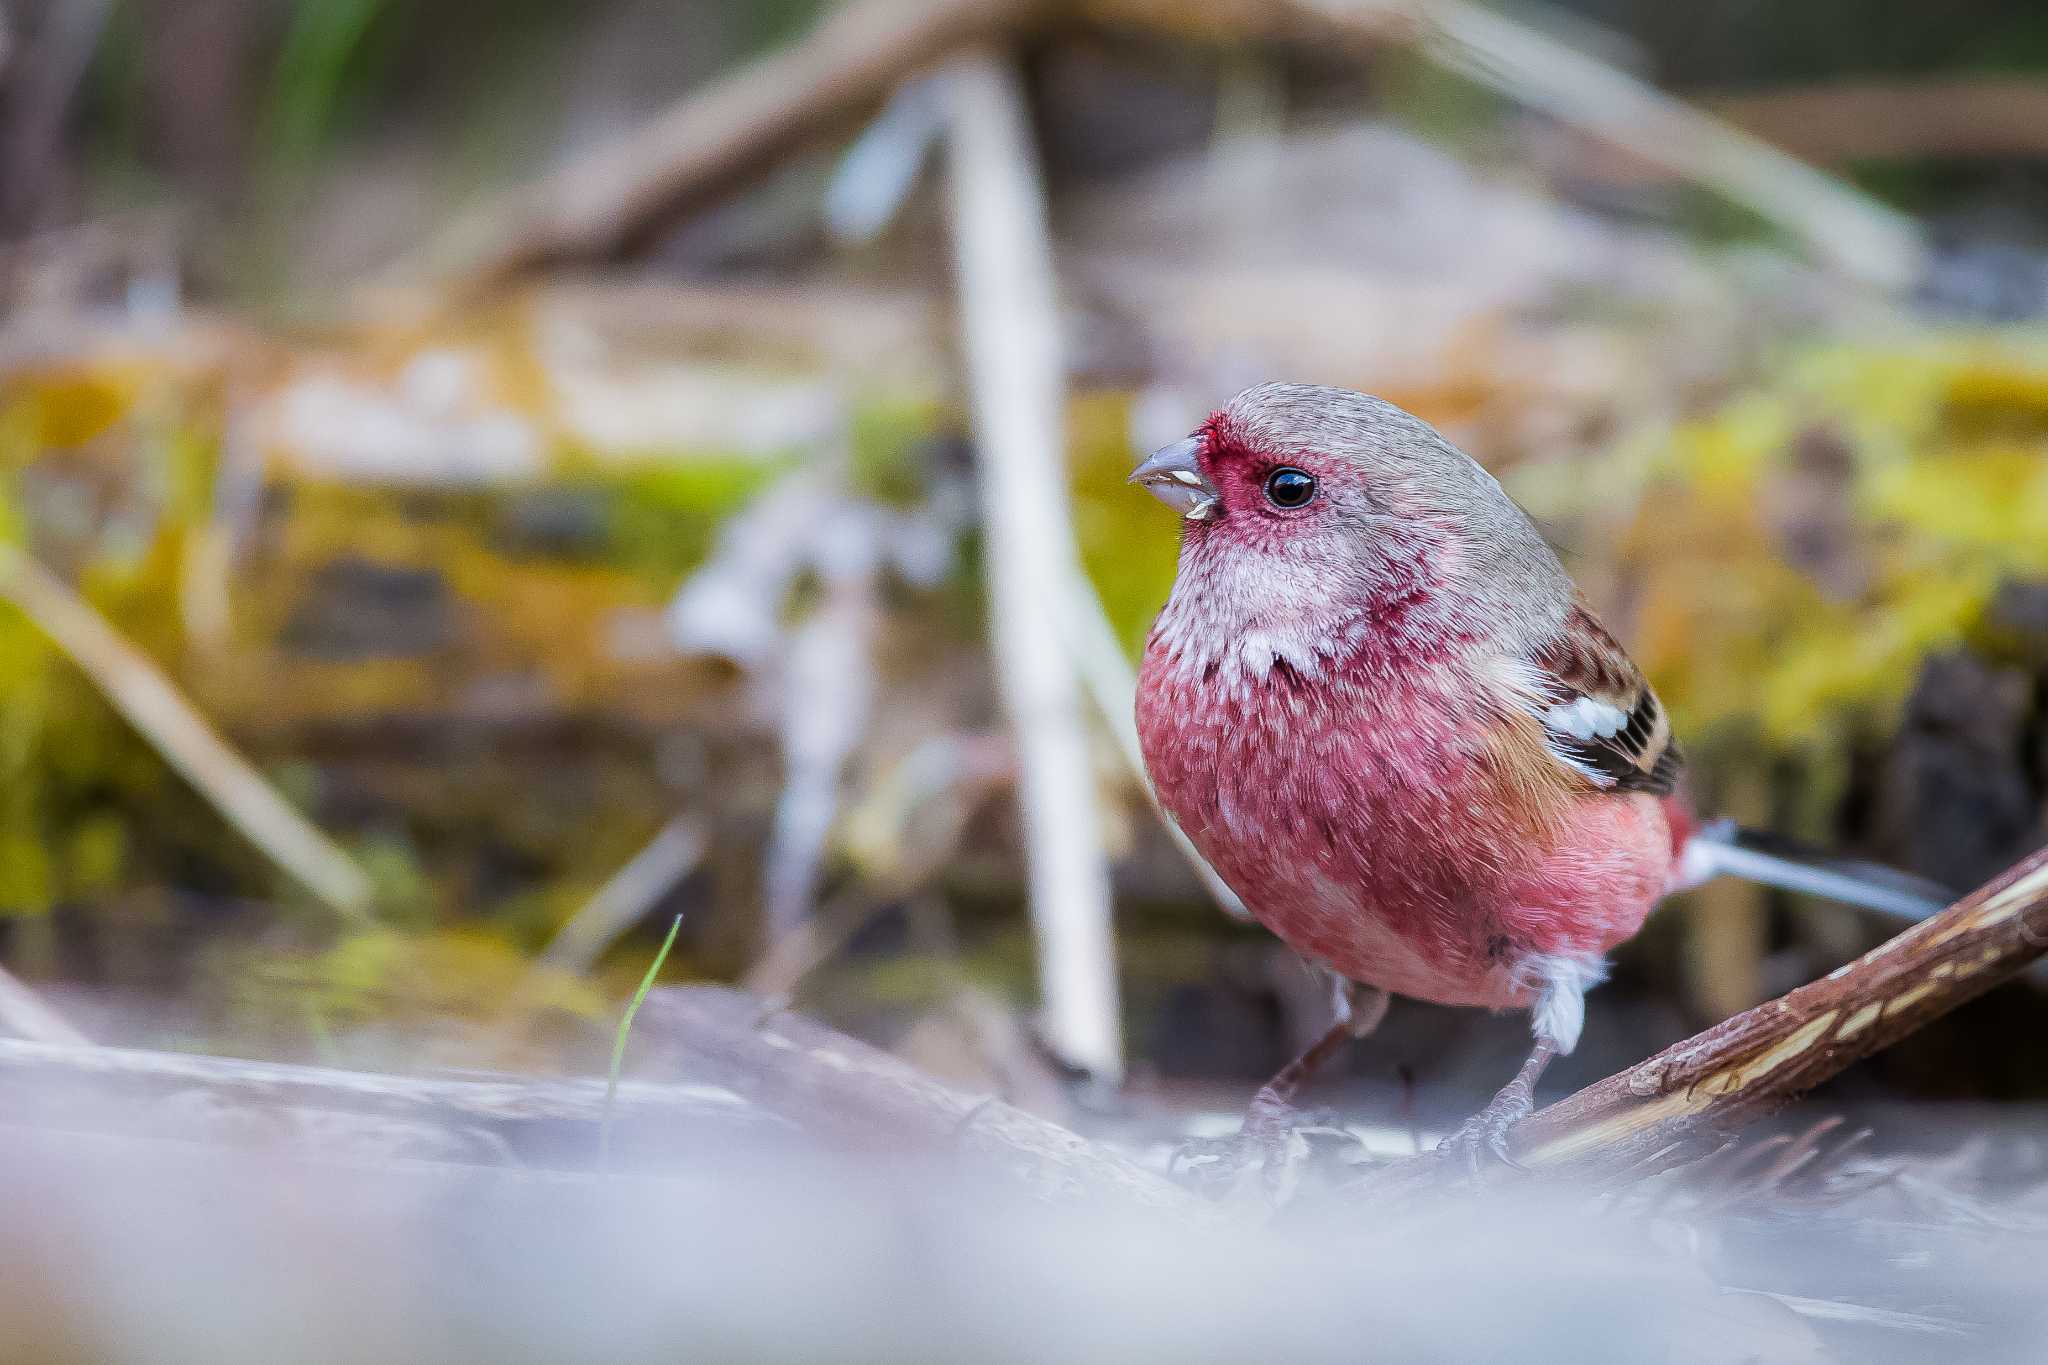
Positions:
{"x": 888, "y": 437}
{"x": 664, "y": 514}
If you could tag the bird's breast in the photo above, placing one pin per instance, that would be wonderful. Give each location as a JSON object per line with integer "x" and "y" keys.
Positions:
{"x": 1357, "y": 810}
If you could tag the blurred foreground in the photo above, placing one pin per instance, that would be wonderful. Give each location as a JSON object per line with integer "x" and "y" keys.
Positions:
{"x": 802, "y": 1224}
{"x": 452, "y": 524}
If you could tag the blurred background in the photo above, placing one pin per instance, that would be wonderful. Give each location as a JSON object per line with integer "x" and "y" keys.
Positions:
{"x": 478, "y": 485}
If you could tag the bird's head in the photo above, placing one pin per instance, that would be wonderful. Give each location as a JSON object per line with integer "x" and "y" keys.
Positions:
{"x": 1307, "y": 508}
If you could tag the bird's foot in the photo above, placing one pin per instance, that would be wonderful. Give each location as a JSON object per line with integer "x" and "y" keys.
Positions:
{"x": 1483, "y": 1138}
{"x": 1269, "y": 1153}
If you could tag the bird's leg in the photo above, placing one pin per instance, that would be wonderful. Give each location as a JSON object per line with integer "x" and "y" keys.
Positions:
{"x": 1270, "y": 1136}
{"x": 1359, "y": 1011}
{"x": 1485, "y": 1134}
{"x": 1558, "y": 1018}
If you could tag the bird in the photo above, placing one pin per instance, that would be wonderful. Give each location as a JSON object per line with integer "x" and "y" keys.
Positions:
{"x": 1378, "y": 705}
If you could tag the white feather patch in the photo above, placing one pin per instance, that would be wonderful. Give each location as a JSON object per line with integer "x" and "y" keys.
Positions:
{"x": 1559, "y": 1014}
{"x": 1581, "y": 720}
{"x": 1586, "y": 719}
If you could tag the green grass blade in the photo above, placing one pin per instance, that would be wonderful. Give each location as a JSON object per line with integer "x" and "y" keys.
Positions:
{"x": 611, "y": 1085}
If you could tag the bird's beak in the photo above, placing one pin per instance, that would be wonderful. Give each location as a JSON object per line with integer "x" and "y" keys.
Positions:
{"x": 1174, "y": 476}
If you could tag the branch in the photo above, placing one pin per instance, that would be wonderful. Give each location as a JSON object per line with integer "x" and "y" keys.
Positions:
{"x": 139, "y": 690}
{"x": 1009, "y": 315}
{"x": 111, "y": 1089}
{"x": 39, "y": 101}
{"x": 1697, "y": 1093}
{"x": 1896, "y": 121}
{"x": 733, "y": 128}
{"x": 839, "y": 1088}
{"x": 741, "y": 1075}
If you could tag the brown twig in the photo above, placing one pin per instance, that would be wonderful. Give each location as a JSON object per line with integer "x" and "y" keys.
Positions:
{"x": 716, "y": 136}
{"x": 40, "y": 98}
{"x": 1896, "y": 120}
{"x": 1697, "y": 1093}
{"x": 623, "y": 901}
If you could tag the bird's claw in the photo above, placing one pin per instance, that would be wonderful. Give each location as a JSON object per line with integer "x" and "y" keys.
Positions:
{"x": 1484, "y": 1136}
{"x": 1275, "y": 1142}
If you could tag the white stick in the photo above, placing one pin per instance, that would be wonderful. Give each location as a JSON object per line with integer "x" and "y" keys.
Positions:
{"x": 1843, "y": 226}
{"x": 1010, "y": 320}
{"x": 139, "y": 691}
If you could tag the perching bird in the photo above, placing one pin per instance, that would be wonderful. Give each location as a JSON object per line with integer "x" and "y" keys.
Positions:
{"x": 1380, "y": 708}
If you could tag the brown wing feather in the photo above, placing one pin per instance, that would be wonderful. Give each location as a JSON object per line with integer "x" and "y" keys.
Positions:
{"x": 1600, "y": 716}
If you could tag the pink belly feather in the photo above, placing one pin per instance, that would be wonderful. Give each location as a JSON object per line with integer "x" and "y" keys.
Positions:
{"x": 1357, "y": 816}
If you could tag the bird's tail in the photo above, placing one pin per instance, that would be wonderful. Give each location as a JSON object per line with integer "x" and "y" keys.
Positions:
{"x": 1723, "y": 848}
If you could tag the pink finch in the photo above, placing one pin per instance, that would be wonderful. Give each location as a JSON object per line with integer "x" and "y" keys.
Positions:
{"x": 1378, "y": 705}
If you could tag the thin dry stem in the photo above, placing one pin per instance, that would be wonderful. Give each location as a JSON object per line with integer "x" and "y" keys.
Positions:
{"x": 151, "y": 703}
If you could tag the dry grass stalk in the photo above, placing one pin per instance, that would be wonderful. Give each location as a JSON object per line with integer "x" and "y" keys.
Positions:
{"x": 622, "y": 902}
{"x": 139, "y": 690}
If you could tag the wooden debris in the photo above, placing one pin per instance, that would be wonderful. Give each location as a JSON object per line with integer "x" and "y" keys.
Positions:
{"x": 476, "y": 1119}
{"x": 851, "y": 61}
{"x": 861, "y": 1097}
{"x": 737, "y": 1071}
{"x": 1846, "y": 121}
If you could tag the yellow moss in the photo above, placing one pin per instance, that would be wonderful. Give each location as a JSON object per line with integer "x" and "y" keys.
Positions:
{"x": 1128, "y": 542}
{"x": 382, "y": 975}
{"x": 1944, "y": 494}
{"x": 1993, "y": 495}
{"x": 70, "y": 406}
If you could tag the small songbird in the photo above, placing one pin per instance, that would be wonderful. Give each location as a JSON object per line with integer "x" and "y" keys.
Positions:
{"x": 1377, "y": 704}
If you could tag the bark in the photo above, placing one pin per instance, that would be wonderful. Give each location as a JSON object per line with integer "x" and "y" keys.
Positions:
{"x": 863, "y": 1098}
{"x": 736, "y": 1076}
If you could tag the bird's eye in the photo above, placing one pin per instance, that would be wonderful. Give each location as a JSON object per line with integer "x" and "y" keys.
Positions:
{"x": 1290, "y": 488}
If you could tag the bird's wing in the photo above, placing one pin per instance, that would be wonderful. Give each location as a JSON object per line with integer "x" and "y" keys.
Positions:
{"x": 1599, "y": 717}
